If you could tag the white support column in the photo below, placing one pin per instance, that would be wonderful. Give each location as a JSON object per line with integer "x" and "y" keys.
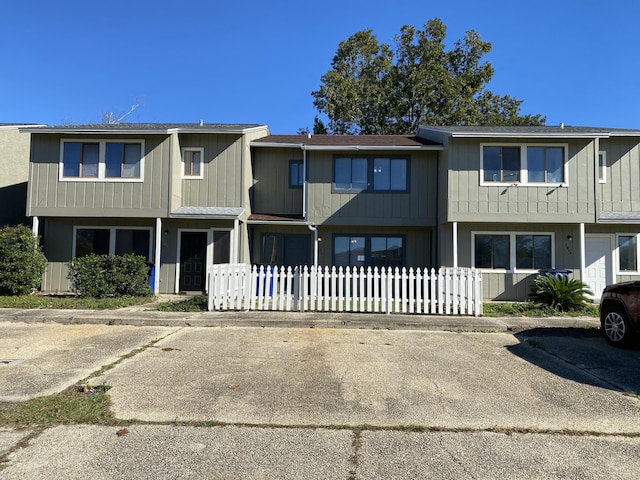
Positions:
{"x": 156, "y": 256}
{"x": 455, "y": 244}
{"x": 582, "y": 254}
{"x": 235, "y": 250}
{"x": 35, "y": 226}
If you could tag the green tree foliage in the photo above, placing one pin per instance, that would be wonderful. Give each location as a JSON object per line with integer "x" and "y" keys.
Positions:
{"x": 22, "y": 262}
{"x": 100, "y": 276}
{"x": 559, "y": 292}
{"x": 374, "y": 89}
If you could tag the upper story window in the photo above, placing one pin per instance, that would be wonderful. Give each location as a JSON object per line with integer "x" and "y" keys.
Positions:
{"x": 370, "y": 174}
{"x": 602, "y": 167}
{"x": 523, "y": 164}
{"x": 192, "y": 162}
{"x": 101, "y": 160}
{"x": 296, "y": 174}
{"x": 513, "y": 251}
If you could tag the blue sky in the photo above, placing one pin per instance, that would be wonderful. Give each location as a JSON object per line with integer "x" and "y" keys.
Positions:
{"x": 574, "y": 61}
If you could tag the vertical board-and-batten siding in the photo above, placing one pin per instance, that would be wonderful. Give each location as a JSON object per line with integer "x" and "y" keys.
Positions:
{"x": 415, "y": 208}
{"x": 272, "y": 194}
{"x": 468, "y": 201}
{"x": 52, "y": 197}
{"x": 621, "y": 192}
{"x": 220, "y": 185}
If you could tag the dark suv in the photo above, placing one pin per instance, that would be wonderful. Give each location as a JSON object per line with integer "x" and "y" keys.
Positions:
{"x": 620, "y": 312}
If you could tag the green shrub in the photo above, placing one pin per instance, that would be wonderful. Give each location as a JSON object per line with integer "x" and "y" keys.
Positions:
{"x": 101, "y": 276}
{"x": 559, "y": 292}
{"x": 22, "y": 262}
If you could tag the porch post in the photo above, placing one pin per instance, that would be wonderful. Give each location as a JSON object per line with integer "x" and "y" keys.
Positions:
{"x": 455, "y": 244}
{"x": 156, "y": 256}
{"x": 582, "y": 253}
{"x": 35, "y": 226}
{"x": 235, "y": 243}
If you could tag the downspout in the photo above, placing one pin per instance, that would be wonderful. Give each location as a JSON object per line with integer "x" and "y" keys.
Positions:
{"x": 436, "y": 242}
{"x": 305, "y": 203}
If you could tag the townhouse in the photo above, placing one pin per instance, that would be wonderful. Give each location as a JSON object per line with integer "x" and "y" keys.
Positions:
{"x": 508, "y": 200}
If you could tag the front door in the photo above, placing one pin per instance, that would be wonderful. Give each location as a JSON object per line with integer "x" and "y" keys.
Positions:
{"x": 598, "y": 268}
{"x": 193, "y": 257}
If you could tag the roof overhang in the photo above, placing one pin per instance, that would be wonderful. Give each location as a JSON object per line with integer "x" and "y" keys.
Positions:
{"x": 208, "y": 213}
{"x": 97, "y": 130}
{"x": 555, "y": 133}
{"x": 333, "y": 148}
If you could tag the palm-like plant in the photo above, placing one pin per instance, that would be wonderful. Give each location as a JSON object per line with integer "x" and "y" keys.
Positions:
{"x": 559, "y": 292}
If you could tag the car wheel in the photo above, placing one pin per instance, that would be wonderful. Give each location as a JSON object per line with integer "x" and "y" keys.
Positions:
{"x": 616, "y": 326}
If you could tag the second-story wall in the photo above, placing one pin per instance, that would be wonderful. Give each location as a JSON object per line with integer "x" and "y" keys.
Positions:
{"x": 220, "y": 184}
{"x": 51, "y": 196}
{"x": 619, "y": 184}
{"x": 416, "y": 207}
{"x": 468, "y": 200}
{"x": 271, "y": 191}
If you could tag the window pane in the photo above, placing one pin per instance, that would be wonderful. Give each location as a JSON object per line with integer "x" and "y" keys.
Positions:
{"x": 524, "y": 251}
{"x": 535, "y": 164}
{"x": 501, "y": 251}
{"x": 343, "y": 173}
{"x": 113, "y": 160}
{"x": 398, "y": 174}
{"x": 483, "y": 247}
{"x": 71, "y": 159}
{"x": 555, "y": 162}
{"x": 90, "y": 241}
{"x": 491, "y": 164}
{"x": 541, "y": 251}
{"x": 132, "y": 157}
{"x": 357, "y": 252}
{"x": 387, "y": 251}
{"x": 510, "y": 164}
{"x": 90, "y": 152}
{"x": 359, "y": 173}
{"x": 221, "y": 246}
{"x": 196, "y": 162}
{"x": 341, "y": 251}
{"x": 133, "y": 241}
{"x": 270, "y": 249}
{"x": 295, "y": 174}
{"x": 381, "y": 174}
{"x": 627, "y": 251}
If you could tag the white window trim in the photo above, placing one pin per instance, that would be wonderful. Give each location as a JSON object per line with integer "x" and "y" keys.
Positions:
{"x": 524, "y": 173}
{"x": 512, "y": 251}
{"x": 101, "y": 161}
{"x": 616, "y": 260}
{"x": 112, "y": 236}
{"x": 602, "y": 166}
{"x": 192, "y": 149}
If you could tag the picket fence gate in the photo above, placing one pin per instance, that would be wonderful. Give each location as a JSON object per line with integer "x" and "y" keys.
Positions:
{"x": 446, "y": 291}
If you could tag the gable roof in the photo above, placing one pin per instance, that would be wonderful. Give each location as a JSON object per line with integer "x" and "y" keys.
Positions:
{"x": 564, "y": 131}
{"x": 149, "y": 128}
{"x": 348, "y": 142}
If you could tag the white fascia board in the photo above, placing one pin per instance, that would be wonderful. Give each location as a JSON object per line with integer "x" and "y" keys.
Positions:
{"x": 295, "y": 223}
{"x": 277, "y": 145}
{"x": 371, "y": 147}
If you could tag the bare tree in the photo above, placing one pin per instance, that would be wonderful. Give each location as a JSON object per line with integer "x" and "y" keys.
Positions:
{"x": 111, "y": 117}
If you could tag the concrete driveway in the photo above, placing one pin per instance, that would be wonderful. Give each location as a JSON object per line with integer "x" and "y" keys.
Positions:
{"x": 330, "y": 403}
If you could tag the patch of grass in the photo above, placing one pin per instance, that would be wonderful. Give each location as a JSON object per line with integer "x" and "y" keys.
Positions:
{"x": 198, "y": 303}
{"x": 73, "y": 406}
{"x": 70, "y": 302}
{"x": 531, "y": 309}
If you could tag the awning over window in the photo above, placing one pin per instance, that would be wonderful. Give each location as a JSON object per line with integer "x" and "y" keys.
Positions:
{"x": 619, "y": 217}
{"x": 208, "y": 212}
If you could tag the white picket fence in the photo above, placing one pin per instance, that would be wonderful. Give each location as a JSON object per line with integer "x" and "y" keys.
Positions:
{"x": 447, "y": 291}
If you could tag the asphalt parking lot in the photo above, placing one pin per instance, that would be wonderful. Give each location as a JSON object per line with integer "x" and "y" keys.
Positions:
{"x": 328, "y": 403}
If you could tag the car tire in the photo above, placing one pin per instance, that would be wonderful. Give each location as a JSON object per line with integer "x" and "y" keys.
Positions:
{"x": 616, "y": 327}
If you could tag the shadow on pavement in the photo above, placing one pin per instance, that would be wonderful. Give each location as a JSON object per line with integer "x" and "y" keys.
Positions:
{"x": 581, "y": 355}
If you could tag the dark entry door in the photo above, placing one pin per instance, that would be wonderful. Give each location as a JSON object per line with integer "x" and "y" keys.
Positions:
{"x": 193, "y": 256}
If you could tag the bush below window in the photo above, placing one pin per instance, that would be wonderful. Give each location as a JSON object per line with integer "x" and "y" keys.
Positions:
{"x": 100, "y": 276}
